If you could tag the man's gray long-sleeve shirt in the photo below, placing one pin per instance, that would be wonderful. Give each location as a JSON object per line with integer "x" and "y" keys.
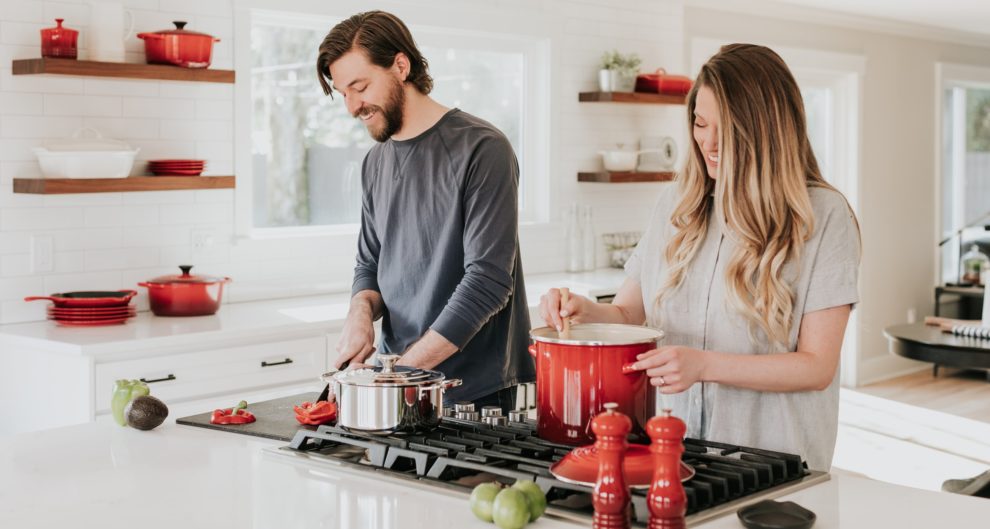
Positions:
{"x": 439, "y": 241}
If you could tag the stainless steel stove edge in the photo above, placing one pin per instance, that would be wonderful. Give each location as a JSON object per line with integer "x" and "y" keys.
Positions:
{"x": 813, "y": 478}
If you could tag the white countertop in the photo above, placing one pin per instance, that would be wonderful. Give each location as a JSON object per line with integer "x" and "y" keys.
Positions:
{"x": 240, "y": 322}
{"x": 102, "y": 475}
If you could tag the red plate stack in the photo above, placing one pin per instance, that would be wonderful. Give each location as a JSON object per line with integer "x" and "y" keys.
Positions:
{"x": 176, "y": 167}
{"x": 90, "y": 307}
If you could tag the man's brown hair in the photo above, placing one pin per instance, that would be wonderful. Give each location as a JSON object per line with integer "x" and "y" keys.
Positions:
{"x": 380, "y": 36}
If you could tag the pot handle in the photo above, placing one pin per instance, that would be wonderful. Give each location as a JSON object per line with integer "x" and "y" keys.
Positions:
{"x": 150, "y": 285}
{"x": 532, "y": 350}
{"x": 39, "y": 298}
{"x": 452, "y": 383}
{"x": 152, "y": 36}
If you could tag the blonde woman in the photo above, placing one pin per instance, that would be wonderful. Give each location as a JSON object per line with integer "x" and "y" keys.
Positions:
{"x": 749, "y": 265}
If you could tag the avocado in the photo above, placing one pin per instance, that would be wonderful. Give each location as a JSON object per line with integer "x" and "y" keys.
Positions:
{"x": 145, "y": 412}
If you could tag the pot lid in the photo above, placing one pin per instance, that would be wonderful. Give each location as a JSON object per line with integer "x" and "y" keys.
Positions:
{"x": 388, "y": 374}
{"x": 581, "y": 465}
{"x": 87, "y": 139}
{"x": 180, "y": 30}
{"x": 186, "y": 278}
{"x": 598, "y": 334}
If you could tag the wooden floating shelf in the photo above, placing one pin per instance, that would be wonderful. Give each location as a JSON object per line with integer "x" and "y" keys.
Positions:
{"x": 631, "y": 97}
{"x": 61, "y": 186}
{"x": 120, "y": 69}
{"x": 625, "y": 177}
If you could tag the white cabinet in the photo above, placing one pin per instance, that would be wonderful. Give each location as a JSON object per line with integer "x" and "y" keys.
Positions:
{"x": 41, "y": 389}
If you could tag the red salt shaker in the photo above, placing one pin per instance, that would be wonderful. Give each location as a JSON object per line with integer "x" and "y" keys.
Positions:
{"x": 59, "y": 42}
{"x": 666, "y": 500}
{"x": 611, "y": 496}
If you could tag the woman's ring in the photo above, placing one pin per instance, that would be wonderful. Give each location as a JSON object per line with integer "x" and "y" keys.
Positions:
{"x": 662, "y": 381}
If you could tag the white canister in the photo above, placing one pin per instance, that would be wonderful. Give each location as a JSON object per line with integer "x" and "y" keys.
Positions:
{"x": 110, "y": 26}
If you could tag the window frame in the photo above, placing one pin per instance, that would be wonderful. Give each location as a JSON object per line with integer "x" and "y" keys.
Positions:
{"x": 949, "y": 75}
{"x": 534, "y": 167}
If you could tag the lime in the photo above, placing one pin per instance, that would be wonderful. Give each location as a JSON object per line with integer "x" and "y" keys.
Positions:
{"x": 511, "y": 509}
{"x": 537, "y": 500}
{"x": 483, "y": 499}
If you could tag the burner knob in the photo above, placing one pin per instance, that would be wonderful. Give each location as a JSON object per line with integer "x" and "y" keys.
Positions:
{"x": 463, "y": 407}
{"x": 467, "y": 415}
{"x": 517, "y": 416}
{"x": 491, "y": 411}
{"x": 496, "y": 420}
{"x": 448, "y": 411}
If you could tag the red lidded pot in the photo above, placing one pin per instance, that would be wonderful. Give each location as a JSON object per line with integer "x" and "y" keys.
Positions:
{"x": 577, "y": 375}
{"x": 59, "y": 42}
{"x": 185, "y": 294}
{"x": 178, "y": 46}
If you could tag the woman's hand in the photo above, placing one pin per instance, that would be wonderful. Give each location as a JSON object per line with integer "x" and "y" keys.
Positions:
{"x": 673, "y": 368}
{"x": 553, "y": 313}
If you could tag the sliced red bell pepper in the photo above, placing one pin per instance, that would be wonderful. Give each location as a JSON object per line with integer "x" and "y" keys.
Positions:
{"x": 235, "y": 415}
{"x": 319, "y": 413}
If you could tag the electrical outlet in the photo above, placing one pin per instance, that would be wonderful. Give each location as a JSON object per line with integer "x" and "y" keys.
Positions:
{"x": 202, "y": 240}
{"x": 42, "y": 253}
{"x": 912, "y": 315}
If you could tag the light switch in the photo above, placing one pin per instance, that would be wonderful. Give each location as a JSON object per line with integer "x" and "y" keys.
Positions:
{"x": 42, "y": 254}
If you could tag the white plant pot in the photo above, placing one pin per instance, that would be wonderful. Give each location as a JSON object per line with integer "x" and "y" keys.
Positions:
{"x": 616, "y": 81}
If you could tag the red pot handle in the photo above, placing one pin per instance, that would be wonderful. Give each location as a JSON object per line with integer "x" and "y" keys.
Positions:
{"x": 154, "y": 36}
{"x": 532, "y": 350}
{"x": 38, "y": 298}
{"x": 628, "y": 369}
{"x": 150, "y": 285}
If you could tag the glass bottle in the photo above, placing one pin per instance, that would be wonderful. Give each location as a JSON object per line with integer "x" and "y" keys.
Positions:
{"x": 575, "y": 240}
{"x": 972, "y": 263}
{"x": 588, "y": 233}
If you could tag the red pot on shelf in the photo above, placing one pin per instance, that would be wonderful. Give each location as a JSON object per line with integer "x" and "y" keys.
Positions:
{"x": 178, "y": 46}
{"x": 185, "y": 294}
{"x": 576, "y": 376}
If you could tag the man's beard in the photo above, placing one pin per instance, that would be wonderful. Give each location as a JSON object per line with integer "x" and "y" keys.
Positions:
{"x": 391, "y": 112}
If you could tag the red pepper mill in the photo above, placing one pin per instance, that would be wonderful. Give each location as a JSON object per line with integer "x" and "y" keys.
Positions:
{"x": 666, "y": 500}
{"x": 611, "y": 496}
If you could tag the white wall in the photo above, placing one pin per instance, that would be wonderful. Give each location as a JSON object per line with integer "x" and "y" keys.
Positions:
{"x": 114, "y": 240}
{"x": 898, "y": 173}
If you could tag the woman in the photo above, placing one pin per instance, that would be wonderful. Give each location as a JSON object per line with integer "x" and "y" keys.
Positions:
{"x": 749, "y": 265}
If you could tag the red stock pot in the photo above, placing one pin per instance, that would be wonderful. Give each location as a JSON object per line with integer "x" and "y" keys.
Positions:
{"x": 185, "y": 294}
{"x": 178, "y": 46}
{"x": 578, "y": 374}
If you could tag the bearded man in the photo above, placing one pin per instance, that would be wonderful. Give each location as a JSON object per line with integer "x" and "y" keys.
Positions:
{"x": 438, "y": 253}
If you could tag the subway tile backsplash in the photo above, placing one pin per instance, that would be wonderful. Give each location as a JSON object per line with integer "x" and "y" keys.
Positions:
{"x": 115, "y": 240}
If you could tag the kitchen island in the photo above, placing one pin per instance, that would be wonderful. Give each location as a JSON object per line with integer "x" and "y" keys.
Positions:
{"x": 102, "y": 475}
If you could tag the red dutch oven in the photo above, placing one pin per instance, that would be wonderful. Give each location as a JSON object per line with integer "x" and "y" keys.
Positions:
{"x": 178, "y": 46}
{"x": 185, "y": 294}
{"x": 577, "y": 375}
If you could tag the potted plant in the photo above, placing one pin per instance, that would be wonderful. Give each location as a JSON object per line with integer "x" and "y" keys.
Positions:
{"x": 618, "y": 72}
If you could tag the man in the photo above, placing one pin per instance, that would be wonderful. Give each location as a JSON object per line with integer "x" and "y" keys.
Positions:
{"x": 438, "y": 253}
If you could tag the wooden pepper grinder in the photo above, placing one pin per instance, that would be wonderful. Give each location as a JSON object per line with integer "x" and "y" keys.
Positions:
{"x": 611, "y": 496}
{"x": 666, "y": 500}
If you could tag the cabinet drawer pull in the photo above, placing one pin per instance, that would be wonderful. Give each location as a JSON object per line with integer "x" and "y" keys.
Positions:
{"x": 269, "y": 364}
{"x": 153, "y": 380}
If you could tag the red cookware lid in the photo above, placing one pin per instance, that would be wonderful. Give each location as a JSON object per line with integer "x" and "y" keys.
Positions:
{"x": 580, "y": 466}
{"x": 185, "y": 278}
{"x": 179, "y": 30}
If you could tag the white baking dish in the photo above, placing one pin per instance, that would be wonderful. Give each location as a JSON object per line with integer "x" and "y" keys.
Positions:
{"x": 86, "y": 157}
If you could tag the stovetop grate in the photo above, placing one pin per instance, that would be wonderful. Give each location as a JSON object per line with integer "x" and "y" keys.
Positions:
{"x": 461, "y": 454}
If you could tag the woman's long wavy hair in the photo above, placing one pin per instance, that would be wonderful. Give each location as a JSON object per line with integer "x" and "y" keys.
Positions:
{"x": 766, "y": 166}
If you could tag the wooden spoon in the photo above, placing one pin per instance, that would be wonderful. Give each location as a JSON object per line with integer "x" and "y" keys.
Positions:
{"x": 565, "y": 333}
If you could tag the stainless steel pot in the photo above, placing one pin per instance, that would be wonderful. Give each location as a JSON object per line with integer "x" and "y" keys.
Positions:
{"x": 389, "y": 399}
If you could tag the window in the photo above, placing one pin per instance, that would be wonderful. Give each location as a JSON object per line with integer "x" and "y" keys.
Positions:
{"x": 964, "y": 157}
{"x": 307, "y": 150}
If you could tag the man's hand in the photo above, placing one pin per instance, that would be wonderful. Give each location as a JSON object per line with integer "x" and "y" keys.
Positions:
{"x": 357, "y": 342}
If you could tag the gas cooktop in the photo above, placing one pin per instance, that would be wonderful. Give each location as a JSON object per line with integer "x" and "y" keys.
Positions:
{"x": 463, "y": 452}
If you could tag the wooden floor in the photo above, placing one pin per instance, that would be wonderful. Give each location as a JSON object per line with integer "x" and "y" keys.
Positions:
{"x": 954, "y": 391}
